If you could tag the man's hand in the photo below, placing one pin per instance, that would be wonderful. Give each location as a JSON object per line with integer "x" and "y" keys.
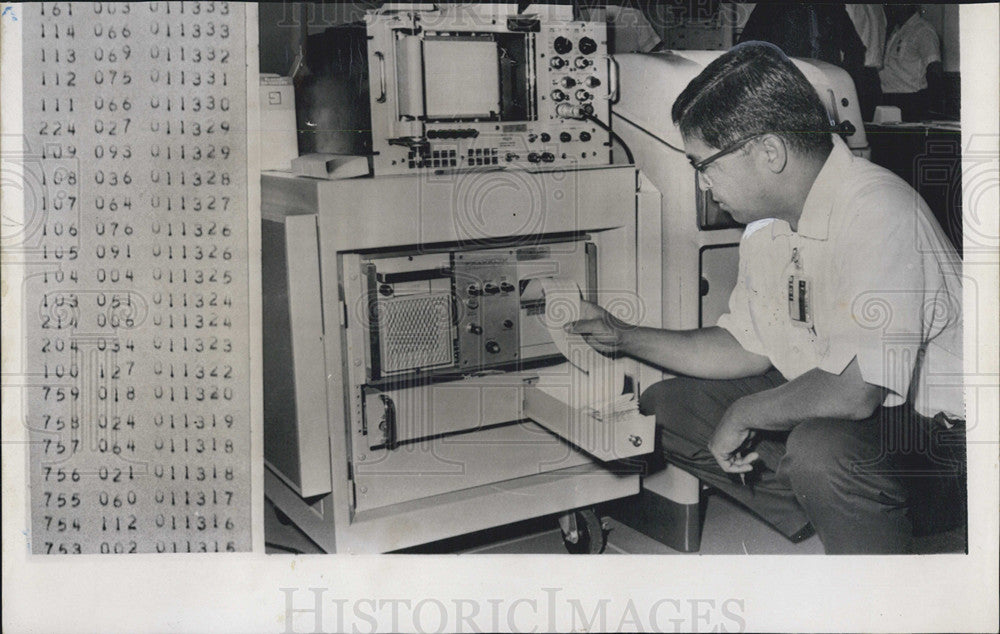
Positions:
{"x": 729, "y": 436}
{"x": 599, "y": 328}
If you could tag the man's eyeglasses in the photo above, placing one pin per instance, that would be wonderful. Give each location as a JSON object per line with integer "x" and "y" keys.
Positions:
{"x": 700, "y": 166}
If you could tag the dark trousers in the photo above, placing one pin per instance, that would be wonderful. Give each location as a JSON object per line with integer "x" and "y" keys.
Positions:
{"x": 854, "y": 481}
{"x": 869, "y": 88}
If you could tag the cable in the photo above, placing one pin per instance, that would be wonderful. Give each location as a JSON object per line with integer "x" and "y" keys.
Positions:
{"x": 614, "y": 135}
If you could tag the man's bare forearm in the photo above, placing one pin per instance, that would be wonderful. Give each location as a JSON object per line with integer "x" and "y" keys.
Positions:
{"x": 707, "y": 353}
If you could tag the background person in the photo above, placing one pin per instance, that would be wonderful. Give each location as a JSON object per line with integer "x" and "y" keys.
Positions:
{"x": 912, "y": 72}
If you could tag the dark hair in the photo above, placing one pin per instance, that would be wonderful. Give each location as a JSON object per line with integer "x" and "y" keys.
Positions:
{"x": 753, "y": 89}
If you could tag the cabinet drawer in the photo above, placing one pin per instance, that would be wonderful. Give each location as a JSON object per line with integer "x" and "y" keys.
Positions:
{"x": 624, "y": 436}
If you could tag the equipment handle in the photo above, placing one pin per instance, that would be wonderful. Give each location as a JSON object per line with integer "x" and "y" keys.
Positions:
{"x": 390, "y": 422}
{"x": 612, "y": 95}
{"x": 381, "y": 76}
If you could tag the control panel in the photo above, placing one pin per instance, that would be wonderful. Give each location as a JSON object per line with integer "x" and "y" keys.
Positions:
{"x": 464, "y": 310}
{"x": 451, "y": 93}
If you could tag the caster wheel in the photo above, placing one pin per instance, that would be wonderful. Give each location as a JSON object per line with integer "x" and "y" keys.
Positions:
{"x": 591, "y": 537}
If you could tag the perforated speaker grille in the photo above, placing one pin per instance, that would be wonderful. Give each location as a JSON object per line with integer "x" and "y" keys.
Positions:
{"x": 416, "y": 332}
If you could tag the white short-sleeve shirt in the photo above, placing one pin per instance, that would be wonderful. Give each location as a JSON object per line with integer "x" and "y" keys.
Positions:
{"x": 869, "y": 275}
{"x": 869, "y": 22}
{"x": 910, "y": 49}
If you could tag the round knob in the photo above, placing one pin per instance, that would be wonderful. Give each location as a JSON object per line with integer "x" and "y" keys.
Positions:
{"x": 385, "y": 290}
{"x": 546, "y": 137}
{"x": 492, "y": 347}
{"x": 565, "y": 137}
{"x": 532, "y": 137}
{"x": 548, "y": 157}
{"x": 567, "y": 82}
{"x": 584, "y": 136}
{"x": 475, "y": 329}
{"x": 588, "y": 109}
{"x": 562, "y": 45}
{"x": 474, "y": 290}
{"x": 508, "y": 324}
{"x": 506, "y": 287}
{"x": 533, "y": 157}
{"x": 592, "y": 82}
{"x": 587, "y": 46}
{"x": 557, "y": 62}
{"x": 583, "y": 95}
{"x": 490, "y": 288}
{"x": 582, "y": 62}
{"x": 558, "y": 95}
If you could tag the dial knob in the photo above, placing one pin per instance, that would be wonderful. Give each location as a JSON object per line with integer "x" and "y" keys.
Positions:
{"x": 587, "y": 46}
{"x": 562, "y": 45}
{"x": 565, "y": 137}
{"x": 546, "y": 137}
{"x": 584, "y": 136}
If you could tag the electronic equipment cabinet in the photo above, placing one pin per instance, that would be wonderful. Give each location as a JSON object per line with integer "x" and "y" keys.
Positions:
{"x": 412, "y": 391}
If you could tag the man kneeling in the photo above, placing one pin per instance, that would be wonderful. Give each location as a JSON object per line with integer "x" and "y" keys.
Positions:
{"x": 835, "y": 379}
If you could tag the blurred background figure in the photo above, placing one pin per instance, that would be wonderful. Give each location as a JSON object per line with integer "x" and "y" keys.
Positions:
{"x": 911, "y": 74}
{"x": 820, "y": 31}
{"x": 870, "y": 24}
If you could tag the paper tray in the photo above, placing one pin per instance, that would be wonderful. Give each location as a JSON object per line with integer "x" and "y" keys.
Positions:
{"x": 628, "y": 435}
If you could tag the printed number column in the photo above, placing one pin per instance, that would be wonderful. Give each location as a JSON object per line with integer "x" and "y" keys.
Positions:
{"x": 153, "y": 312}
